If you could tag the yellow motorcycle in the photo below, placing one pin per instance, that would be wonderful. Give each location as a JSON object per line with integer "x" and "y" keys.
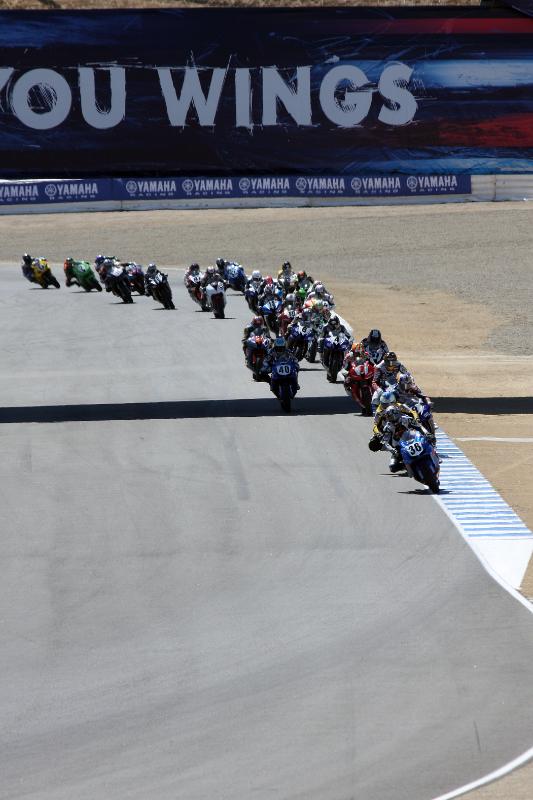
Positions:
{"x": 42, "y": 274}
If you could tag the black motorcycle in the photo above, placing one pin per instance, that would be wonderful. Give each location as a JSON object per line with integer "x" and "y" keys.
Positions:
{"x": 118, "y": 282}
{"x": 160, "y": 290}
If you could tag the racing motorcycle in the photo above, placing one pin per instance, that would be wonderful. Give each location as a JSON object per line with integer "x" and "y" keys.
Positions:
{"x": 269, "y": 310}
{"x": 420, "y": 459}
{"x": 302, "y": 341}
{"x": 251, "y": 295}
{"x": 335, "y": 348}
{"x": 42, "y": 274}
{"x": 83, "y": 273}
{"x": 285, "y": 318}
{"x": 135, "y": 276}
{"x": 160, "y": 290}
{"x": 259, "y": 347}
{"x": 284, "y": 382}
{"x": 304, "y": 287}
{"x": 359, "y": 383}
{"x": 287, "y": 283}
{"x": 235, "y": 276}
{"x": 117, "y": 281}
{"x": 214, "y": 298}
{"x": 194, "y": 287}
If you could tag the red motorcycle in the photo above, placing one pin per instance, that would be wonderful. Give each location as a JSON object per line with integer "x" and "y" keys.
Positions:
{"x": 286, "y": 318}
{"x": 359, "y": 383}
{"x": 258, "y": 347}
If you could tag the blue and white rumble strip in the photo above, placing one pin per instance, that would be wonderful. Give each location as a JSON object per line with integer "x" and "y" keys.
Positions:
{"x": 497, "y": 536}
{"x": 491, "y": 527}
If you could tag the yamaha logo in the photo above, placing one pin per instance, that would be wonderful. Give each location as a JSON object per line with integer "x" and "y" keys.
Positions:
{"x": 301, "y": 185}
{"x": 131, "y": 187}
{"x": 356, "y": 184}
{"x": 412, "y": 182}
{"x": 244, "y": 185}
{"x": 50, "y": 190}
{"x": 187, "y": 185}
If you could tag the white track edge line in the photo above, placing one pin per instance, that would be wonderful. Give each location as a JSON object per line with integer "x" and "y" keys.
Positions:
{"x": 528, "y": 754}
{"x": 490, "y": 778}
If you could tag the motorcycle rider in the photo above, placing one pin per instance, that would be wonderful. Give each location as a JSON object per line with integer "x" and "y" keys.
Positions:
{"x": 393, "y": 422}
{"x": 257, "y": 327}
{"x": 359, "y": 359}
{"x": 100, "y": 259}
{"x": 412, "y": 396}
{"x": 280, "y": 353}
{"x": 253, "y": 284}
{"x": 387, "y": 370}
{"x": 318, "y": 292}
{"x": 285, "y": 271}
{"x": 211, "y": 274}
{"x": 221, "y": 265}
{"x": 355, "y": 354}
{"x": 27, "y": 268}
{"x": 375, "y": 345}
{"x": 68, "y": 266}
{"x": 192, "y": 271}
{"x": 334, "y": 327}
{"x": 255, "y": 279}
{"x": 149, "y": 275}
{"x": 303, "y": 280}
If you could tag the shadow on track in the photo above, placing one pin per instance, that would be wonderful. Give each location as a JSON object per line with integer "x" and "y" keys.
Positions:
{"x": 181, "y": 409}
{"x": 483, "y": 405}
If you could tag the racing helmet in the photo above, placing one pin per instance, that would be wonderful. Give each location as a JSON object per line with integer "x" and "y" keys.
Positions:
{"x": 210, "y": 271}
{"x": 221, "y": 262}
{"x": 319, "y": 288}
{"x": 391, "y": 360}
{"x": 194, "y": 267}
{"x": 43, "y": 262}
{"x": 334, "y": 321}
{"x": 286, "y": 266}
{"x": 258, "y": 322}
{"x": 393, "y": 413}
{"x": 290, "y": 298}
{"x": 280, "y": 345}
{"x": 387, "y": 398}
{"x": 374, "y": 337}
{"x": 256, "y": 275}
{"x": 99, "y": 260}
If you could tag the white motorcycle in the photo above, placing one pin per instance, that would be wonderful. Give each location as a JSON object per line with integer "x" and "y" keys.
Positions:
{"x": 215, "y": 297}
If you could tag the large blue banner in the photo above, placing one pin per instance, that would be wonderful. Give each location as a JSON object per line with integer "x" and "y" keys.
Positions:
{"x": 244, "y": 186}
{"x": 219, "y": 92}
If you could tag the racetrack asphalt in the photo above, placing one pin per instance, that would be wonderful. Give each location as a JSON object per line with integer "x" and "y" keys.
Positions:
{"x": 204, "y": 597}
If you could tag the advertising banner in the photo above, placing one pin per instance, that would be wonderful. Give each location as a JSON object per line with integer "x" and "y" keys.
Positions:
{"x": 59, "y": 191}
{"x": 218, "y": 92}
{"x": 197, "y": 188}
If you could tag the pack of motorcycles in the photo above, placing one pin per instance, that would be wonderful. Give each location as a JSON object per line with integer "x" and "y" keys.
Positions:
{"x": 121, "y": 278}
{"x": 414, "y": 451}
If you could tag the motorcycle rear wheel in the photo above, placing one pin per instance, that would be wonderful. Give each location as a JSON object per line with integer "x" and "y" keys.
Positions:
{"x": 311, "y": 352}
{"x": 285, "y": 397}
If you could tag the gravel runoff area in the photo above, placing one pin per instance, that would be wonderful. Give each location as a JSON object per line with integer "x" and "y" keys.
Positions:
{"x": 449, "y": 285}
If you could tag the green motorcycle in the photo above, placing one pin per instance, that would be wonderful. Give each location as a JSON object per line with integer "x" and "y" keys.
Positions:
{"x": 82, "y": 273}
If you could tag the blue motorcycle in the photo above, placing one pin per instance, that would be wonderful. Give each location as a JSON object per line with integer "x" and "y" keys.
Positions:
{"x": 335, "y": 348}
{"x": 269, "y": 310}
{"x": 420, "y": 459}
{"x": 235, "y": 276}
{"x": 284, "y": 382}
{"x": 301, "y": 340}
